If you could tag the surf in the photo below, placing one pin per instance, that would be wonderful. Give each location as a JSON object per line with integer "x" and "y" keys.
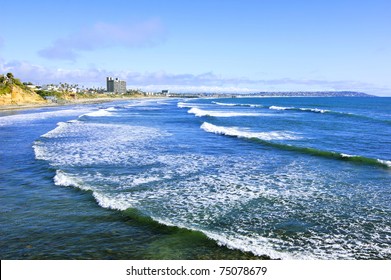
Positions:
{"x": 238, "y": 104}
{"x": 222, "y": 114}
{"x": 266, "y": 138}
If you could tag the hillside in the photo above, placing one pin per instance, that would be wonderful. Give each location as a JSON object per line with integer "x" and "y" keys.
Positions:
{"x": 13, "y": 92}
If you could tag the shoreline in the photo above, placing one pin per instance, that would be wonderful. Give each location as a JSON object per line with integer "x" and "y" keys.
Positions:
{"x": 70, "y": 102}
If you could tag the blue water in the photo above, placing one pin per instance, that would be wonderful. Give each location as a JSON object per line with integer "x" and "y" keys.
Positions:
{"x": 290, "y": 178}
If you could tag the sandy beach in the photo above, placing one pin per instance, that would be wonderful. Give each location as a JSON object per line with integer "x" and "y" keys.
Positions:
{"x": 69, "y": 102}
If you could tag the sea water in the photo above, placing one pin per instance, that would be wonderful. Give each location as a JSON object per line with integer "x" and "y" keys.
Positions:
{"x": 289, "y": 178}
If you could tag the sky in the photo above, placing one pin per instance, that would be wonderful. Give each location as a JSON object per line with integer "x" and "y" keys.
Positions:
{"x": 201, "y": 46}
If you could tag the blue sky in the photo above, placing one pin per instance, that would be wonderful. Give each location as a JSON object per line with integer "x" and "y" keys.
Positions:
{"x": 215, "y": 45}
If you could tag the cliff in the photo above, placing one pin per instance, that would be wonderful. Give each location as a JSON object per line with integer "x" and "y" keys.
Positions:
{"x": 14, "y": 94}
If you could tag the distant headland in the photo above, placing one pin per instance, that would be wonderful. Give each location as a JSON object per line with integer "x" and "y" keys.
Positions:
{"x": 313, "y": 94}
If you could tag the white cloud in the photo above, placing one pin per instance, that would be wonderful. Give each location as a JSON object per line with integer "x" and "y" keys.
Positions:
{"x": 103, "y": 35}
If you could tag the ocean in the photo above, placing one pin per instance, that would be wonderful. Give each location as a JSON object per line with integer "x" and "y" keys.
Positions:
{"x": 226, "y": 178}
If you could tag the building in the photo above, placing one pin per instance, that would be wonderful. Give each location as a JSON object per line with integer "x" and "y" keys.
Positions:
{"x": 115, "y": 85}
{"x": 50, "y": 87}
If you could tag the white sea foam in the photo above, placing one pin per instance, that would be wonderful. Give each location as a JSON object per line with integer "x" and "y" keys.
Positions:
{"x": 347, "y": 155}
{"x": 185, "y": 105}
{"x": 163, "y": 103}
{"x": 100, "y": 113}
{"x": 111, "y": 109}
{"x": 141, "y": 103}
{"x": 233, "y": 131}
{"x": 385, "y": 162}
{"x": 202, "y": 113}
{"x": 194, "y": 197}
{"x": 57, "y": 132}
{"x": 237, "y": 104}
{"x": 315, "y": 110}
{"x": 239, "y": 200}
{"x": 199, "y": 202}
{"x": 96, "y": 143}
{"x": 279, "y": 108}
{"x": 256, "y": 245}
{"x": 39, "y": 150}
{"x": 32, "y": 117}
{"x": 63, "y": 179}
{"x": 112, "y": 202}
{"x": 145, "y": 180}
{"x": 224, "y": 104}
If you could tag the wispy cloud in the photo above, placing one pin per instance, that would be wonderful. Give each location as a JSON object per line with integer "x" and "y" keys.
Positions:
{"x": 156, "y": 81}
{"x": 103, "y": 35}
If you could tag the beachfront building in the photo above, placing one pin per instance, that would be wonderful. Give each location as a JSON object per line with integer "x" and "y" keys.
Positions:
{"x": 115, "y": 85}
{"x": 50, "y": 87}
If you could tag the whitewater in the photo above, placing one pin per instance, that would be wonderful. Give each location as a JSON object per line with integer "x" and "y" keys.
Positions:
{"x": 289, "y": 178}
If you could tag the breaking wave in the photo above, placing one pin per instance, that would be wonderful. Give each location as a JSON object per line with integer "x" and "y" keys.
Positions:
{"x": 313, "y": 110}
{"x": 238, "y": 104}
{"x": 266, "y": 138}
{"x": 204, "y": 113}
{"x": 235, "y": 132}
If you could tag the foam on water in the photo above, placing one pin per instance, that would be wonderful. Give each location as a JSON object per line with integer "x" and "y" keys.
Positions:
{"x": 186, "y": 105}
{"x": 385, "y": 162}
{"x": 347, "y": 155}
{"x": 112, "y": 202}
{"x": 287, "y": 135}
{"x": 240, "y": 133}
{"x": 280, "y": 108}
{"x": 314, "y": 110}
{"x": 100, "y": 113}
{"x": 202, "y": 113}
{"x": 207, "y": 203}
{"x": 263, "y": 201}
{"x": 66, "y": 180}
{"x": 238, "y": 105}
{"x": 32, "y": 117}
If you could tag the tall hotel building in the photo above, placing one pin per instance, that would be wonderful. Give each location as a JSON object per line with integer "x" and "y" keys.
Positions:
{"x": 115, "y": 85}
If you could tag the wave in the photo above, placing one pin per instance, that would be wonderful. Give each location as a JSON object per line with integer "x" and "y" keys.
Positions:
{"x": 324, "y": 111}
{"x": 203, "y": 113}
{"x": 233, "y": 131}
{"x": 185, "y": 105}
{"x": 385, "y": 162}
{"x": 316, "y": 110}
{"x": 129, "y": 208}
{"x": 238, "y": 105}
{"x": 313, "y": 110}
{"x": 23, "y": 118}
{"x": 265, "y": 138}
{"x": 100, "y": 113}
{"x": 63, "y": 179}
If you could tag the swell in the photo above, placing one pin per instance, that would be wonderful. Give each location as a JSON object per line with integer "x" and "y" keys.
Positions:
{"x": 304, "y": 110}
{"x": 238, "y": 105}
{"x": 311, "y": 110}
{"x": 204, "y": 113}
{"x": 324, "y": 111}
{"x": 227, "y": 131}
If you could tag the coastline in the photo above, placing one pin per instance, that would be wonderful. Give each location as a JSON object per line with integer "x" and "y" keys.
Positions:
{"x": 70, "y": 102}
